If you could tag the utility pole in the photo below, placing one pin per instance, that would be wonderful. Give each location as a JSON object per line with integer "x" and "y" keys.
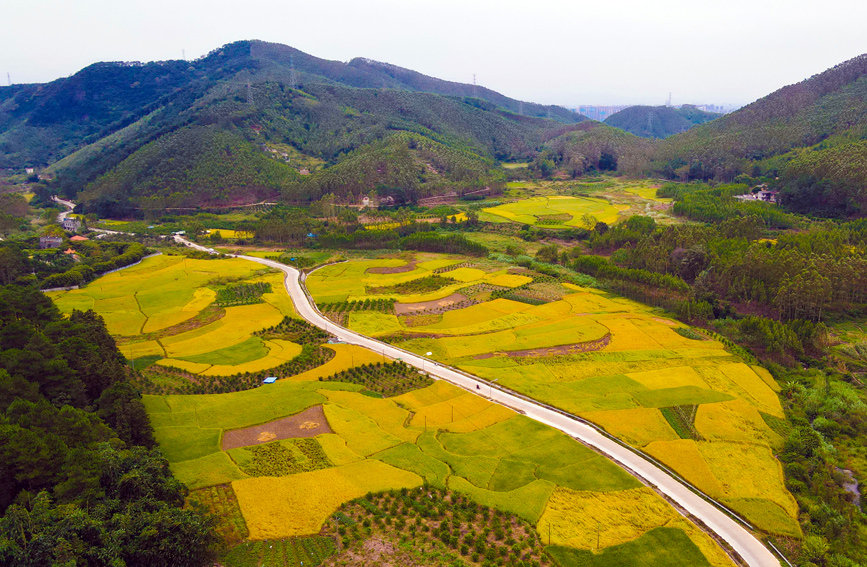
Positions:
{"x": 293, "y": 77}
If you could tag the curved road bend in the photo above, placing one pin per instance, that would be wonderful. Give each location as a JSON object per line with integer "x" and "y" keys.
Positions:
{"x": 751, "y": 550}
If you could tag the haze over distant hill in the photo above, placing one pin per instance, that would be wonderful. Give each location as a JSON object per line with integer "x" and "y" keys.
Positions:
{"x": 659, "y": 121}
{"x": 251, "y": 119}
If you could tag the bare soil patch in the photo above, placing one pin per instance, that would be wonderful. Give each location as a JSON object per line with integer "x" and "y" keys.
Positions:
{"x": 395, "y": 270}
{"x": 575, "y": 348}
{"x": 435, "y": 306}
{"x": 309, "y": 423}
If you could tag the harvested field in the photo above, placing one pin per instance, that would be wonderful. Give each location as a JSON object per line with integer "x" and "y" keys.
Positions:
{"x": 589, "y": 346}
{"x": 453, "y": 301}
{"x": 408, "y": 267}
{"x": 309, "y": 423}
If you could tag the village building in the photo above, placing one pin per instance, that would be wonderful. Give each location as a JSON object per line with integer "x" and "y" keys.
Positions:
{"x": 50, "y": 242}
{"x": 70, "y": 224}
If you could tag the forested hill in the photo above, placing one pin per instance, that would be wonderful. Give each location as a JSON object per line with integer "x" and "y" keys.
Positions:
{"x": 659, "y": 121}
{"x": 367, "y": 73}
{"x": 829, "y": 107}
{"x": 41, "y": 123}
{"x": 253, "y": 121}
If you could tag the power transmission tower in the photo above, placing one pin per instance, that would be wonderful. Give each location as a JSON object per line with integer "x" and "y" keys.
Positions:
{"x": 475, "y": 92}
{"x": 293, "y": 77}
{"x": 184, "y": 54}
{"x": 8, "y": 78}
{"x": 669, "y": 100}
{"x": 521, "y": 108}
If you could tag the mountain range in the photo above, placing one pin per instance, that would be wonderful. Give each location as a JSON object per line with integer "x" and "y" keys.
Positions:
{"x": 252, "y": 121}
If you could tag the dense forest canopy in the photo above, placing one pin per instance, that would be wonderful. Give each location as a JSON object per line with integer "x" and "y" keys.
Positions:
{"x": 80, "y": 480}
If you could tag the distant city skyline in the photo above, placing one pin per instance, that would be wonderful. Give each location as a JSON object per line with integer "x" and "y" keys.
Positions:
{"x": 550, "y": 52}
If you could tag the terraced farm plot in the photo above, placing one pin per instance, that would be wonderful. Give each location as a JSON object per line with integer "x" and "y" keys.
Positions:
{"x": 299, "y": 504}
{"x": 628, "y": 368}
{"x": 438, "y": 434}
{"x": 558, "y": 211}
{"x": 161, "y": 287}
{"x": 164, "y": 308}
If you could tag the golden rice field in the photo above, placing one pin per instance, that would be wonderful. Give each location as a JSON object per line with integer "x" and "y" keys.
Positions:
{"x": 299, "y": 504}
{"x": 350, "y": 280}
{"x": 153, "y": 307}
{"x": 439, "y": 434}
{"x": 562, "y": 210}
{"x": 632, "y": 385}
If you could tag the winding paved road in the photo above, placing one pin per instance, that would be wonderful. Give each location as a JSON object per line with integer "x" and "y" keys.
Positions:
{"x": 748, "y": 547}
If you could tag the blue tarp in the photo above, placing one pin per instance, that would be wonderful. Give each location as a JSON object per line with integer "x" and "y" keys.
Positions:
{"x": 269, "y": 380}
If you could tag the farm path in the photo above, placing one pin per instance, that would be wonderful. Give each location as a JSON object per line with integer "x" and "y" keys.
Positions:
{"x": 745, "y": 544}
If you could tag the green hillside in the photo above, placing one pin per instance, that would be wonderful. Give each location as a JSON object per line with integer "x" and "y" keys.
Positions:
{"x": 659, "y": 121}
{"x": 594, "y": 146}
{"x": 832, "y": 103}
{"x": 254, "y": 121}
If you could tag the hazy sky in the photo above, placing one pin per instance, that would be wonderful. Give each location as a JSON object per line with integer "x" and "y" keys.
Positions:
{"x": 555, "y": 52}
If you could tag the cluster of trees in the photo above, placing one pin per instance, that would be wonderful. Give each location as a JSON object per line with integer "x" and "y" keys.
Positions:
{"x": 702, "y": 203}
{"x": 241, "y": 294}
{"x": 81, "y": 480}
{"x": 826, "y": 424}
{"x": 97, "y": 259}
{"x": 383, "y": 305}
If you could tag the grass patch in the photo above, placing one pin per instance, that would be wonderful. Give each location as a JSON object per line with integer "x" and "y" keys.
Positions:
{"x": 247, "y": 351}
{"x": 390, "y": 379}
{"x": 661, "y": 547}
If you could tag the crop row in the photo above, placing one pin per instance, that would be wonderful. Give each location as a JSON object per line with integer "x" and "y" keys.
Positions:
{"x": 389, "y": 379}
{"x": 276, "y": 459}
{"x": 449, "y": 522}
{"x": 151, "y": 381}
{"x": 292, "y": 552}
{"x": 241, "y": 294}
{"x": 384, "y": 305}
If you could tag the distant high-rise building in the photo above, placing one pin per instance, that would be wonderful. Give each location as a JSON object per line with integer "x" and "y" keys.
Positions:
{"x": 599, "y": 113}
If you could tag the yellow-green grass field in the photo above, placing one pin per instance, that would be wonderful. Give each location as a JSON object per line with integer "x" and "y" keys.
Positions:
{"x": 142, "y": 304}
{"x": 558, "y": 208}
{"x": 440, "y": 434}
{"x": 632, "y": 385}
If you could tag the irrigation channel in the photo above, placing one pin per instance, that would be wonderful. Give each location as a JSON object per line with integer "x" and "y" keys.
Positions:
{"x": 748, "y": 547}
